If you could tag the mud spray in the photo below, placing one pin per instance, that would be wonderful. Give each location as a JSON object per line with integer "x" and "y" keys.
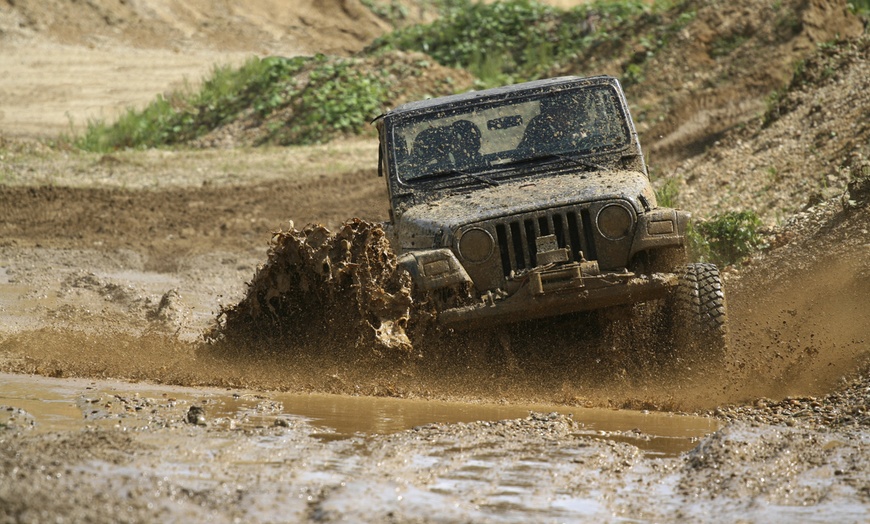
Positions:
{"x": 333, "y": 305}
{"x": 329, "y": 312}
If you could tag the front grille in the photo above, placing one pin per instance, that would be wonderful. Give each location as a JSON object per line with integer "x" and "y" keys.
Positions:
{"x": 516, "y": 236}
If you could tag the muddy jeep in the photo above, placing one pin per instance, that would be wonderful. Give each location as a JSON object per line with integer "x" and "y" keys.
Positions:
{"x": 533, "y": 200}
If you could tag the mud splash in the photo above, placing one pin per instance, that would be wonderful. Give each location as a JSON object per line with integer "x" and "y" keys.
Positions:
{"x": 328, "y": 313}
{"x": 317, "y": 285}
{"x": 800, "y": 315}
{"x": 338, "y": 301}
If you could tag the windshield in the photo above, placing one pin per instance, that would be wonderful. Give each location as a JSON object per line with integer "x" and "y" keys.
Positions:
{"x": 461, "y": 140}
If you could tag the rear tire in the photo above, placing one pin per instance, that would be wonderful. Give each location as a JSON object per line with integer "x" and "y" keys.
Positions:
{"x": 698, "y": 316}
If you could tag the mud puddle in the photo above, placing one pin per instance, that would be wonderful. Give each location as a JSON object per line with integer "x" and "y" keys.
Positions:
{"x": 130, "y": 450}
{"x": 46, "y": 404}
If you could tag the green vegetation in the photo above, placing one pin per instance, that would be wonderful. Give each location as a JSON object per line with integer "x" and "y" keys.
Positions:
{"x": 392, "y": 11}
{"x": 723, "y": 239}
{"x": 337, "y": 97}
{"x": 514, "y": 40}
{"x": 184, "y": 115}
{"x": 860, "y": 7}
{"x": 313, "y": 99}
{"x": 396, "y": 13}
{"x": 667, "y": 195}
{"x": 726, "y": 238}
{"x": 726, "y": 45}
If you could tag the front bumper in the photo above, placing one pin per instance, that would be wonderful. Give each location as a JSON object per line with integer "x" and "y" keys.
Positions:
{"x": 557, "y": 291}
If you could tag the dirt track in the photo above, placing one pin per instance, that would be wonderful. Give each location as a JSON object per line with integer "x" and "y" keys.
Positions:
{"x": 99, "y": 280}
{"x": 113, "y": 266}
{"x": 95, "y": 240}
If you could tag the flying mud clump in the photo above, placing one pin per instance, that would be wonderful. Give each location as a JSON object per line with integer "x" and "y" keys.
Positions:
{"x": 318, "y": 289}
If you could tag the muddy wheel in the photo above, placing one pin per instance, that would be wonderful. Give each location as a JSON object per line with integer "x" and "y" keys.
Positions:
{"x": 697, "y": 312}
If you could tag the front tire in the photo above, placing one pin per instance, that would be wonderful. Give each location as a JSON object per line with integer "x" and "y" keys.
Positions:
{"x": 698, "y": 316}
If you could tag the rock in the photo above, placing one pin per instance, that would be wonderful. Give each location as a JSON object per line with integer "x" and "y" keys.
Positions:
{"x": 196, "y": 416}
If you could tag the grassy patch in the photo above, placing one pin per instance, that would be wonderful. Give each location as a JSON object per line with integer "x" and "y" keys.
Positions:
{"x": 514, "y": 40}
{"x": 862, "y": 9}
{"x": 723, "y": 239}
{"x": 259, "y": 85}
{"x": 339, "y": 98}
{"x": 391, "y": 11}
{"x": 727, "y": 238}
{"x": 668, "y": 194}
{"x": 726, "y": 45}
{"x": 303, "y": 100}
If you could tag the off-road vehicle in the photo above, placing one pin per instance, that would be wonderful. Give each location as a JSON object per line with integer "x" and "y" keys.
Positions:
{"x": 534, "y": 200}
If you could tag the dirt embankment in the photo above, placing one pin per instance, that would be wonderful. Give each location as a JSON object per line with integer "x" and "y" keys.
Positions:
{"x": 260, "y": 26}
{"x": 718, "y": 71}
{"x": 705, "y": 83}
{"x": 64, "y": 63}
{"x": 811, "y": 141}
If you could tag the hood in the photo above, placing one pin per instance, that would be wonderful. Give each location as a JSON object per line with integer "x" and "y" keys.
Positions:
{"x": 521, "y": 196}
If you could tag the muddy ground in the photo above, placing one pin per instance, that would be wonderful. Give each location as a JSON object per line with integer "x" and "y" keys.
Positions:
{"x": 114, "y": 268}
{"x": 106, "y": 275}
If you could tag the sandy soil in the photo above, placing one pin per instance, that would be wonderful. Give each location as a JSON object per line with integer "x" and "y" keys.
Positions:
{"x": 63, "y": 64}
{"x": 50, "y": 88}
{"x": 113, "y": 266}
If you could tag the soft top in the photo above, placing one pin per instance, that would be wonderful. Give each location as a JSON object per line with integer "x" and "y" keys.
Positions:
{"x": 562, "y": 81}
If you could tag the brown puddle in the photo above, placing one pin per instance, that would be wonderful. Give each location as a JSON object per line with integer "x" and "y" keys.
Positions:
{"x": 71, "y": 404}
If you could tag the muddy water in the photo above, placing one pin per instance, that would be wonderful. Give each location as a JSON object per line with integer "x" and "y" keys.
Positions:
{"x": 262, "y": 457}
{"x": 70, "y": 404}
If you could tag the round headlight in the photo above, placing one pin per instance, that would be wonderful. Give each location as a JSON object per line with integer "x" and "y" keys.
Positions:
{"x": 614, "y": 221}
{"x": 476, "y": 245}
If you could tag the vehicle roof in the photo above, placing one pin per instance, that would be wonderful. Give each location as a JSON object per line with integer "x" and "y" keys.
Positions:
{"x": 562, "y": 81}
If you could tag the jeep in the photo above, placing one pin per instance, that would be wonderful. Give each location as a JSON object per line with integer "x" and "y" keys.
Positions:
{"x": 534, "y": 200}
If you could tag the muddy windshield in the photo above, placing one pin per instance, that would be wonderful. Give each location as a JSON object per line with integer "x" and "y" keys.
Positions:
{"x": 484, "y": 135}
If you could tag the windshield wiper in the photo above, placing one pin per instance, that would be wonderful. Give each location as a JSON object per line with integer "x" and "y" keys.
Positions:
{"x": 557, "y": 156}
{"x": 481, "y": 178}
{"x": 583, "y": 163}
{"x": 454, "y": 171}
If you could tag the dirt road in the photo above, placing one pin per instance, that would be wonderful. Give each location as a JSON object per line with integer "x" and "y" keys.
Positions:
{"x": 113, "y": 267}
{"x": 103, "y": 277}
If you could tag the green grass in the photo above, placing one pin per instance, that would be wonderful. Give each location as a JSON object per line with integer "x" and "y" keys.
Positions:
{"x": 726, "y": 45}
{"x": 668, "y": 195}
{"x": 723, "y": 239}
{"x": 726, "y": 238}
{"x": 260, "y": 85}
{"x": 391, "y": 11}
{"x": 337, "y": 97}
{"x": 514, "y": 40}
{"x": 860, "y": 7}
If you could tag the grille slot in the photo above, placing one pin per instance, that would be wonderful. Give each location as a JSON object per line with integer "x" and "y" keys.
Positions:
{"x": 516, "y": 237}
